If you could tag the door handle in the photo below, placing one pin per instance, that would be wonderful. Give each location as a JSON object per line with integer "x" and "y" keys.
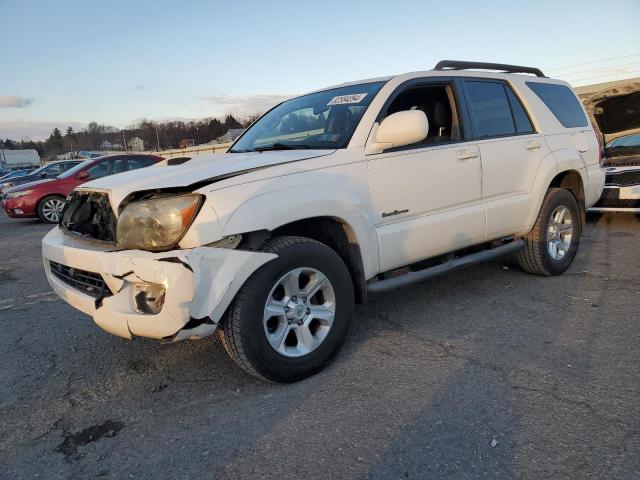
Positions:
{"x": 532, "y": 145}
{"x": 466, "y": 154}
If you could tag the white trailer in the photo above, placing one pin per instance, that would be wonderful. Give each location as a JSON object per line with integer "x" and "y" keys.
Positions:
{"x": 13, "y": 159}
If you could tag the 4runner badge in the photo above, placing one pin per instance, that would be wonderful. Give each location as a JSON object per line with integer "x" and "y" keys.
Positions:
{"x": 395, "y": 212}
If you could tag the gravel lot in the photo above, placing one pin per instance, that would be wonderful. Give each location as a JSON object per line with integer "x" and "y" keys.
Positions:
{"x": 484, "y": 373}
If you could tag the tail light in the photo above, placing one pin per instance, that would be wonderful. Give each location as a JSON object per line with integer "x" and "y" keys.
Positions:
{"x": 601, "y": 150}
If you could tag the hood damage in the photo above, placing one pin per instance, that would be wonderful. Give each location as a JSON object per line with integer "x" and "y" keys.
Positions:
{"x": 197, "y": 173}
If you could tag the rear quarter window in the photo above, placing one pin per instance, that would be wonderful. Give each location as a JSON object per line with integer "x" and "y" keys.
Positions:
{"x": 562, "y": 102}
{"x": 490, "y": 109}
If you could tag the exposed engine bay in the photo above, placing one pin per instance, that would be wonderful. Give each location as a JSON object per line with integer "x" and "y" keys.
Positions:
{"x": 89, "y": 214}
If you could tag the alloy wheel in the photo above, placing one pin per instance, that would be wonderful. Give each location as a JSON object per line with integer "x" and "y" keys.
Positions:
{"x": 52, "y": 208}
{"x": 299, "y": 312}
{"x": 559, "y": 232}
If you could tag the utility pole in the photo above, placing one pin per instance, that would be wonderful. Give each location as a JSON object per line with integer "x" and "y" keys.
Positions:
{"x": 126, "y": 149}
{"x": 157, "y": 137}
{"x": 4, "y": 160}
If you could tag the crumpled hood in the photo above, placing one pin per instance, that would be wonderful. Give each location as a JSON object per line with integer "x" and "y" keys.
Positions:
{"x": 200, "y": 169}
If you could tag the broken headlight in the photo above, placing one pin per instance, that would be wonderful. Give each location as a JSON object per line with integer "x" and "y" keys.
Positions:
{"x": 157, "y": 223}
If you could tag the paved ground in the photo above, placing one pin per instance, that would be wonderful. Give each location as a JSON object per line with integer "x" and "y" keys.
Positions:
{"x": 484, "y": 373}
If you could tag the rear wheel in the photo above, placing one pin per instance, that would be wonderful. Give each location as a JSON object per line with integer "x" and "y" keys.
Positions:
{"x": 552, "y": 244}
{"x": 50, "y": 208}
{"x": 292, "y": 315}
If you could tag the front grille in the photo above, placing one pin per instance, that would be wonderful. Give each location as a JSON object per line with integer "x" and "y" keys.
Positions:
{"x": 89, "y": 214}
{"x": 89, "y": 283}
{"x": 623, "y": 179}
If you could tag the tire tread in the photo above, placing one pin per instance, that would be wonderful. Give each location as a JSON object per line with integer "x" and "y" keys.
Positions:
{"x": 531, "y": 257}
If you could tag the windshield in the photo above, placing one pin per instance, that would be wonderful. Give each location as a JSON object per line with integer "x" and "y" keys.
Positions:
{"x": 17, "y": 173}
{"x": 627, "y": 141}
{"x": 73, "y": 170}
{"x": 324, "y": 120}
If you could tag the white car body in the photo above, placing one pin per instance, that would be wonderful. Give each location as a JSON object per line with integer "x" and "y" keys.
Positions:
{"x": 397, "y": 207}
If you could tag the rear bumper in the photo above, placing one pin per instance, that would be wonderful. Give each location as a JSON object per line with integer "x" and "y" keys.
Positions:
{"x": 595, "y": 177}
{"x": 200, "y": 283}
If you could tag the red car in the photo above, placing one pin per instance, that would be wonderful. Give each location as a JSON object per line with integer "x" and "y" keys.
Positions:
{"x": 45, "y": 198}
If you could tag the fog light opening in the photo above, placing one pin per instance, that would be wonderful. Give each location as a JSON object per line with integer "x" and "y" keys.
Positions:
{"x": 149, "y": 298}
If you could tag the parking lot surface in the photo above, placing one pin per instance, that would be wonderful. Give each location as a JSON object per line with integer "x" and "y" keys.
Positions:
{"x": 484, "y": 373}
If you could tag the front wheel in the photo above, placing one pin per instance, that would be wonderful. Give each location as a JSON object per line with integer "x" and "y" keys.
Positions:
{"x": 292, "y": 315}
{"x": 553, "y": 242}
{"x": 50, "y": 208}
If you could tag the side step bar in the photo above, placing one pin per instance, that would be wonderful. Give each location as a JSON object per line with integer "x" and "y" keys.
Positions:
{"x": 410, "y": 278}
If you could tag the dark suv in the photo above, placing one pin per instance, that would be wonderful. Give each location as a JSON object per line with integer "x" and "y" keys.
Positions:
{"x": 50, "y": 170}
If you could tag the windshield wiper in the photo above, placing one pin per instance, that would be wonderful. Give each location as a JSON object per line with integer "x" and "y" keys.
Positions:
{"x": 281, "y": 146}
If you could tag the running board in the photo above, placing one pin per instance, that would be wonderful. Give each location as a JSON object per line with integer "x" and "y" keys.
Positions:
{"x": 457, "y": 263}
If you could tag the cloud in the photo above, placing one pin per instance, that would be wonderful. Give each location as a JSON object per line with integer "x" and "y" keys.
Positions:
{"x": 245, "y": 104}
{"x": 11, "y": 101}
{"x": 33, "y": 130}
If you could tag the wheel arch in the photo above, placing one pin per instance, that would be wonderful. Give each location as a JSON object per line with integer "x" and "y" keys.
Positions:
{"x": 562, "y": 168}
{"x": 38, "y": 203}
{"x": 333, "y": 232}
{"x": 571, "y": 180}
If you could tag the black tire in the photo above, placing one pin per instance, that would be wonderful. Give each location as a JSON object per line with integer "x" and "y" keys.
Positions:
{"x": 242, "y": 331}
{"x": 43, "y": 214}
{"x": 535, "y": 256}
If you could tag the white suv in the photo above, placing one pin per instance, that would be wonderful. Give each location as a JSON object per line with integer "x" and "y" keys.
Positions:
{"x": 328, "y": 197}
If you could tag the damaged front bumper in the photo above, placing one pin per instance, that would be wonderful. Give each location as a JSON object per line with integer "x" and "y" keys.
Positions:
{"x": 199, "y": 284}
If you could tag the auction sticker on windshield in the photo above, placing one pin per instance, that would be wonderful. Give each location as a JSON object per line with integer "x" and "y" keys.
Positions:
{"x": 347, "y": 99}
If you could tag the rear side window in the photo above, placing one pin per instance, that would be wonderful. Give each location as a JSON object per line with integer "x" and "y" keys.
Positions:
{"x": 118, "y": 166}
{"x": 562, "y": 102}
{"x": 67, "y": 165}
{"x": 139, "y": 162}
{"x": 523, "y": 124}
{"x": 490, "y": 109}
{"x": 55, "y": 169}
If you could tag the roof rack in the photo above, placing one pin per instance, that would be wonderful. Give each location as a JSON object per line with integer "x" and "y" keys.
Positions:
{"x": 459, "y": 65}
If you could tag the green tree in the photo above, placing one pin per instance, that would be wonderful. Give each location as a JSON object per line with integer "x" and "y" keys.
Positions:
{"x": 69, "y": 139}
{"x": 231, "y": 122}
{"x": 216, "y": 128}
{"x": 54, "y": 144}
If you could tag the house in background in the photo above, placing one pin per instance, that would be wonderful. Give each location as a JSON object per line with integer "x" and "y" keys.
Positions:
{"x": 186, "y": 143}
{"x": 136, "y": 144}
{"x": 231, "y": 135}
{"x": 107, "y": 145}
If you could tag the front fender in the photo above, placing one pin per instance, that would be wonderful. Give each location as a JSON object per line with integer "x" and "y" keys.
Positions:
{"x": 274, "y": 208}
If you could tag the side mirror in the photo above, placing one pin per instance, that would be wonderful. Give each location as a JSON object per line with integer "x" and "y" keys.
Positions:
{"x": 82, "y": 175}
{"x": 399, "y": 129}
{"x": 43, "y": 175}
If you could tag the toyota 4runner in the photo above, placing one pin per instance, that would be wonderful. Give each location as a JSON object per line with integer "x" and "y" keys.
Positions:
{"x": 329, "y": 197}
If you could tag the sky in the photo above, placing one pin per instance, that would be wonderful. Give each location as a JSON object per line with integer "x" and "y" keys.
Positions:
{"x": 68, "y": 62}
